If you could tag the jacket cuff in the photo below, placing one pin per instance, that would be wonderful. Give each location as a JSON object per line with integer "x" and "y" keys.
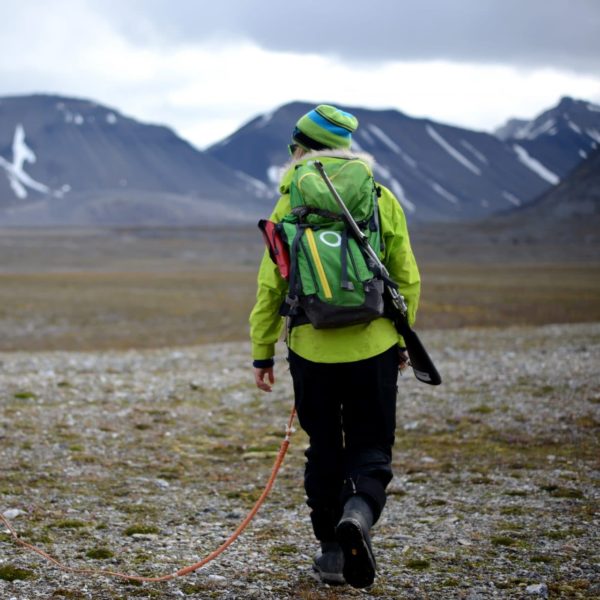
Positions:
{"x": 262, "y": 351}
{"x": 264, "y": 363}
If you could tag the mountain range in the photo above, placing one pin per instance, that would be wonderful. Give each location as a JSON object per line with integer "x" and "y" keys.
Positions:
{"x": 66, "y": 161}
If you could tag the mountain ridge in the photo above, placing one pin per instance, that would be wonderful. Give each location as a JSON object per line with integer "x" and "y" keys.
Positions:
{"x": 437, "y": 171}
{"x": 73, "y": 161}
{"x": 63, "y": 155}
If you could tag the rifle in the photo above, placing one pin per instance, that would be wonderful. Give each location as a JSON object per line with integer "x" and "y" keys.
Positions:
{"x": 420, "y": 361}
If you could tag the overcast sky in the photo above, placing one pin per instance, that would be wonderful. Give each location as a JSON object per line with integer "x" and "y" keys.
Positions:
{"x": 206, "y": 67}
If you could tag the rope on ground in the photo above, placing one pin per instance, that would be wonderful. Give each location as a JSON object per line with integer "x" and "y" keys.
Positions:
{"x": 185, "y": 570}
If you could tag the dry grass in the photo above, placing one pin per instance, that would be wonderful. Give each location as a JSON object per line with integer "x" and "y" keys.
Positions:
{"x": 77, "y": 290}
{"x": 475, "y": 295}
{"x": 84, "y": 311}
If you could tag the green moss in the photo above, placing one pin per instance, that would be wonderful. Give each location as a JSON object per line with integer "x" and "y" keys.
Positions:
{"x": 503, "y": 540}
{"x": 564, "y": 492}
{"x": 481, "y": 480}
{"x": 65, "y": 593}
{"x": 541, "y": 558}
{"x": 512, "y": 510}
{"x": 283, "y": 549}
{"x": 482, "y": 409}
{"x": 141, "y": 558}
{"x": 99, "y": 553}
{"x": 70, "y": 524}
{"x": 511, "y": 526}
{"x": 587, "y": 422}
{"x": 10, "y": 573}
{"x": 24, "y": 395}
{"x": 433, "y": 502}
{"x": 418, "y": 564}
{"x": 143, "y": 529}
{"x": 190, "y": 589}
{"x": 544, "y": 390}
{"x": 504, "y": 585}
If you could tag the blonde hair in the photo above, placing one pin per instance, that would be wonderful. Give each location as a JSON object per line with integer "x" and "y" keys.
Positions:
{"x": 299, "y": 152}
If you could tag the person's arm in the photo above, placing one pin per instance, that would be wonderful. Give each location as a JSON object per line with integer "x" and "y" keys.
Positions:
{"x": 399, "y": 258}
{"x": 265, "y": 322}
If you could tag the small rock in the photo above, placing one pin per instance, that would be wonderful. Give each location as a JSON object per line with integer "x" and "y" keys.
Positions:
{"x": 13, "y": 513}
{"x": 144, "y": 536}
{"x": 537, "y": 589}
{"x": 464, "y": 542}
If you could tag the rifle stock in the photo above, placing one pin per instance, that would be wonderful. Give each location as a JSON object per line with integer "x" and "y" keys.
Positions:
{"x": 420, "y": 361}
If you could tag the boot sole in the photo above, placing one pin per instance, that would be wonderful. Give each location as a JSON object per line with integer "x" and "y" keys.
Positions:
{"x": 359, "y": 562}
{"x": 329, "y": 578}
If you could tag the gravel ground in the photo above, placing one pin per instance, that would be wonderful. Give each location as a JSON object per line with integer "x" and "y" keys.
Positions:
{"x": 145, "y": 461}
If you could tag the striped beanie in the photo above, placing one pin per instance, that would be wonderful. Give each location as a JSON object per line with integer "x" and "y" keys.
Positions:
{"x": 325, "y": 127}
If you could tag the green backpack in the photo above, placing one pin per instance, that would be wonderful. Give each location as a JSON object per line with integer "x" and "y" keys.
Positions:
{"x": 331, "y": 283}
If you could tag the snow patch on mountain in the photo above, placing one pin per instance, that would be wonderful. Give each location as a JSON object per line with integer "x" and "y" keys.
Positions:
{"x": 511, "y": 198}
{"x": 265, "y": 119}
{"x": 478, "y": 155}
{"x": 366, "y": 136}
{"x": 395, "y": 186}
{"x": 574, "y": 127}
{"x": 535, "y": 165}
{"x": 260, "y": 189}
{"x": 20, "y": 180}
{"x": 356, "y": 147}
{"x": 452, "y": 151}
{"x": 387, "y": 141}
{"x": 593, "y": 107}
{"x": 274, "y": 173}
{"x": 384, "y": 138}
{"x": 393, "y": 146}
{"x": 111, "y": 118}
{"x": 594, "y": 134}
{"x": 444, "y": 193}
{"x": 583, "y": 154}
{"x": 530, "y": 132}
{"x": 400, "y": 194}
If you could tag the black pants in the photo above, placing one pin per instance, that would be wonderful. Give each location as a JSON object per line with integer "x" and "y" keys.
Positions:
{"x": 348, "y": 411}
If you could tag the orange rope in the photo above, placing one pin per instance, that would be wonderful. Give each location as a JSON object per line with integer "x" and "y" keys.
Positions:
{"x": 185, "y": 570}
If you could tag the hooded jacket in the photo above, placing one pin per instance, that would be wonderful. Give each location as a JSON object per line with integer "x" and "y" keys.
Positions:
{"x": 343, "y": 344}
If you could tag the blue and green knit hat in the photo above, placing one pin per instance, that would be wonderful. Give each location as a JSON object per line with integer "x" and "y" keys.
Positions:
{"x": 325, "y": 127}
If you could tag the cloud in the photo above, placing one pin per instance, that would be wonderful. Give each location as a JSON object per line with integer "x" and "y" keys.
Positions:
{"x": 205, "y": 68}
{"x": 560, "y": 34}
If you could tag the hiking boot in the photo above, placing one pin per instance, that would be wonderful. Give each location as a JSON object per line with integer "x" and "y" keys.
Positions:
{"x": 352, "y": 533}
{"x": 329, "y": 563}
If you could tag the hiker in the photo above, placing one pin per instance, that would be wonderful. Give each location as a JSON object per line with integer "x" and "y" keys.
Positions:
{"x": 344, "y": 378}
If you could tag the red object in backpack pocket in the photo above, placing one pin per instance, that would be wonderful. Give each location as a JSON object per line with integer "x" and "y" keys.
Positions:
{"x": 277, "y": 249}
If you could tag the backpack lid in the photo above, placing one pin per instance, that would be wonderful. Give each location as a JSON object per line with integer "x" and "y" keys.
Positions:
{"x": 323, "y": 155}
{"x": 352, "y": 178}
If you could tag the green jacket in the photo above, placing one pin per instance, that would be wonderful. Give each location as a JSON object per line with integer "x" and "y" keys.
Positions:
{"x": 344, "y": 344}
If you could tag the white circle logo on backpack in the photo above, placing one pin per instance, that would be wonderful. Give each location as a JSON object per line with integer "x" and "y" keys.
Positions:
{"x": 336, "y": 236}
